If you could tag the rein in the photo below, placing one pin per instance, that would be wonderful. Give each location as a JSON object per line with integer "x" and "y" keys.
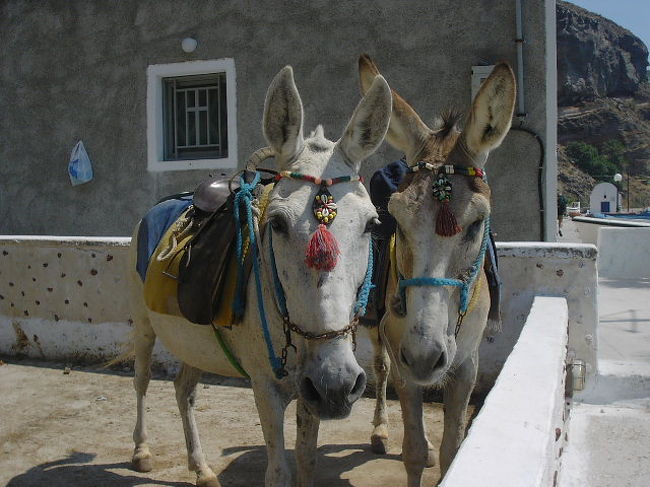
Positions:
{"x": 442, "y": 191}
{"x": 244, "y": 198}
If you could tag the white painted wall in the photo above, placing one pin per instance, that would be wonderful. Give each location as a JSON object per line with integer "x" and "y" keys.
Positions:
{"x": 516, "y": 439}
{"x": 38, "y": 275}
{"x": 530, "y": 269}
{"x": 624, "y": 252}
{"x": 623, "y": 246}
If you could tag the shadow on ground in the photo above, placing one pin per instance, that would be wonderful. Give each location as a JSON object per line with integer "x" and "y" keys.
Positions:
{"x": 246, "y": 470}
{"x": 330, "y": 469}
{"x": 71, "y": 471}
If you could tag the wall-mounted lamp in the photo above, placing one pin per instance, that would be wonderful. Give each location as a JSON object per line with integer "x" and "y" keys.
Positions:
{"x": 189, "y": 44}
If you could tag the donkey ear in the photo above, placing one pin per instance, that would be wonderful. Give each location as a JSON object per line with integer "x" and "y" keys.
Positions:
{"x": 491, "y": 115}
{"x": 367, "y": 127}
{"x": 406, "y": 132}
{"x": 283, "y": 115}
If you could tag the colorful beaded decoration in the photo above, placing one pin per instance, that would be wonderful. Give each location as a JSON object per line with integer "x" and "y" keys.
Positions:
{"x": 324, "y": 206}
{"x": 446, "y": 224}
{"x": 323, "y": 250}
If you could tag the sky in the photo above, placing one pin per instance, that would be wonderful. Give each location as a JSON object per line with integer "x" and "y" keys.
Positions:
{"x": 634, "y": 15}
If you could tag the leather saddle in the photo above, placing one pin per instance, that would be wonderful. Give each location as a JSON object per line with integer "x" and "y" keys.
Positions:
{"x": 205, "y": 261}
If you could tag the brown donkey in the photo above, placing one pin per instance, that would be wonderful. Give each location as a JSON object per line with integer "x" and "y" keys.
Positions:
{"x": 437, "y": 298}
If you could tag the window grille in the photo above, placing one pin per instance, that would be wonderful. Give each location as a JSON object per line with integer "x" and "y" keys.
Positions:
{"x": 195, "y": 117}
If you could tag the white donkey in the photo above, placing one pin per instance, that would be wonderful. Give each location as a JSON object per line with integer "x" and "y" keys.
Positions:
{"x": 323, "y": 373}
{"x": 437, "y": 300}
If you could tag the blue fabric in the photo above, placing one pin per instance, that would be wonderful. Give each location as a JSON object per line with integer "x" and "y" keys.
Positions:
{"x": 383, "y": 184}
{"x": 154, "y": 225}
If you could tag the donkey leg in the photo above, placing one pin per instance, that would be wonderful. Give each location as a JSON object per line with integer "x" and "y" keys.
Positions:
{"x": 271, "y": 406}
{"x": 144, "y": 342}
{"x": 306, "y": 444}
{"x": 415, "y": 444}
{"x": 185, "y": 384}
{"x": 379, "y": 437}
{"x": 456, "y": 398}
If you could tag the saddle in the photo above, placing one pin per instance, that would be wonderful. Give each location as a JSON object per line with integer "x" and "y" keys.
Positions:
{"x": 193, "y": 270}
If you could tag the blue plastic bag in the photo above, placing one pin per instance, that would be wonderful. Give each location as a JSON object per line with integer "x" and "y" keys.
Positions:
{"x": 80, "y": 168}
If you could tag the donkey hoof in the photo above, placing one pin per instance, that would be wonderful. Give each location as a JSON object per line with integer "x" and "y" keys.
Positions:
{"x": 142, "y": 462}
{"x": 209, "y": 480}
{"x": 379, "y": 440}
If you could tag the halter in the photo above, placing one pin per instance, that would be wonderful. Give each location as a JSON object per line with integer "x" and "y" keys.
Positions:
{"x": 245, "y": 198}
{"x": 442, "y": 191}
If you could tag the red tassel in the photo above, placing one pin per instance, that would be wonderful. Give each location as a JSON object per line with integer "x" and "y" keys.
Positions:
{"x": 446, "y": 224}
{"x": 323, "y": 250}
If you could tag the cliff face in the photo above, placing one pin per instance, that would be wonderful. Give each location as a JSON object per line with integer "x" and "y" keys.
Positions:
{"x": 603, "y": 96}
{"x": 596, "y": 57}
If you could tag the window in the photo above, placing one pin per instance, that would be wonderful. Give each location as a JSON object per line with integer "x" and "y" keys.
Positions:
{"x": 191, "y": 119}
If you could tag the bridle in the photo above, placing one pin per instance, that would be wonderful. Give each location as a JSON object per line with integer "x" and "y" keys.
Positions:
{"x": 244, "y": 199}
{"x": 442, "y": 189}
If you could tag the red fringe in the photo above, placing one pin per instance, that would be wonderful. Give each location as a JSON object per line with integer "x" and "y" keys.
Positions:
{"x": 446, "y": 224}
{"x": 323, "y": 250}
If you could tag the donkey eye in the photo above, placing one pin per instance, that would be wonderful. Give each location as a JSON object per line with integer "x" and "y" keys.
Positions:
{"x": 372, "y": 223}
{"x": 473, "y": 229}
{"x": 279, "y": 224}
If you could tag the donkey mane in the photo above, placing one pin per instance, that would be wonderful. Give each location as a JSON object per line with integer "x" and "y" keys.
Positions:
{"x": 447, "y": 123}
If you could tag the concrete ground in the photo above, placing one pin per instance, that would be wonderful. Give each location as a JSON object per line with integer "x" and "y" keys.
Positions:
{"x": 609, "y": 430}
{"x": 74, "y": 430}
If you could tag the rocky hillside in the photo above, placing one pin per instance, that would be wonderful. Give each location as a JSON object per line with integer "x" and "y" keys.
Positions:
{"x": 603, "y": 96}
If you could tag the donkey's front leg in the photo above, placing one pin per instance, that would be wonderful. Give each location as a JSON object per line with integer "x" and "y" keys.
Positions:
{"x": 185, "y": 384}
{"x": 306, "y": 444}
{"x": 415, "y": 444}
{"x": 456, "y": 398}
{"x": 379, "y": 437}
{"x": 271, "y": 405}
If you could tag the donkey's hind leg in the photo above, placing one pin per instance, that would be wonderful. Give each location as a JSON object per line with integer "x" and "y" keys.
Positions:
{"x": 144, "y": 341}
{"x": 185, "y": 384}
{"x": 379, "y": 437}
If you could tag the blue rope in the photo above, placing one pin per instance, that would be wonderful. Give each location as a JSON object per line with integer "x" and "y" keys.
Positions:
{"x": 245, "y": 196}
{"x": 464, "y": 285}
{"x": 279, "y": 291}
{"x": 364, "y": 292}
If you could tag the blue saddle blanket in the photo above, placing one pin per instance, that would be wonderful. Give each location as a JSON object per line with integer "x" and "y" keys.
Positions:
{"x": 154, "y": 225}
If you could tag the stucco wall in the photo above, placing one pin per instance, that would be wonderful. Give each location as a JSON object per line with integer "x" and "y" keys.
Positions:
{"x": 65, "y": 299}
{"x": 545, "y": 269}
{"x": 77, "y": 70}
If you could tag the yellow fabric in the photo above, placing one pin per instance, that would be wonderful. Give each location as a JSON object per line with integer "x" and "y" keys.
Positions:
{"x": 160, "y": 286}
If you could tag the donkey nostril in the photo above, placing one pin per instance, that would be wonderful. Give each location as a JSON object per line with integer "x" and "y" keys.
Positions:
{"x": 359, "y": 385}
{"x": 309, "y": 391}
{"x": 441, "y": 361}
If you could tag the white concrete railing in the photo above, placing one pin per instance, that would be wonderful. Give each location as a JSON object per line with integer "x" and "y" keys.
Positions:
{"x": 517, "y": 437}
{"x": 64, "y": 298}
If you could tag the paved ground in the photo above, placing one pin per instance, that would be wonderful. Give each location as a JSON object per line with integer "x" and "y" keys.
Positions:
{"x": 609, "y": 432}
{"x": 74, "y": 430}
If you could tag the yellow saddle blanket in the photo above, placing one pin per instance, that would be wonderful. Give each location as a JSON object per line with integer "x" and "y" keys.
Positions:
{"x": 161, "y": 280}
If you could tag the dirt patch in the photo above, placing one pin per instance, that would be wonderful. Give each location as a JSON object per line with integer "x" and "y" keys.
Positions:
{"x": 75, "y": 430}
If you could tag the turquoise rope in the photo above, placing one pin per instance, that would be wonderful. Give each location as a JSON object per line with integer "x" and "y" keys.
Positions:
{"x": 245, "y": 196}
{"x": 464, "y": 285}
{"x": 364, "y": 292}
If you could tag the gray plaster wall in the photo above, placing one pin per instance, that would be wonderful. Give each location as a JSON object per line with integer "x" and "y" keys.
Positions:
{"x": 75, "y": 70}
